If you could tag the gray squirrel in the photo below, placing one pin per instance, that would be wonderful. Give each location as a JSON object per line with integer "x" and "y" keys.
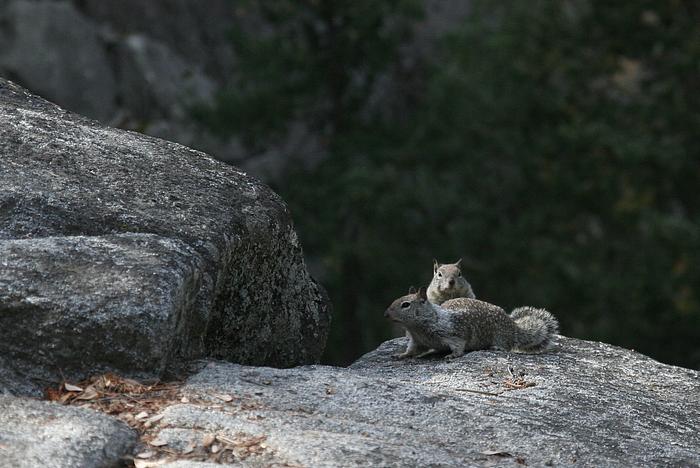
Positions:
{"x": 465, "y": 324}
{"x": 448, "y": 283}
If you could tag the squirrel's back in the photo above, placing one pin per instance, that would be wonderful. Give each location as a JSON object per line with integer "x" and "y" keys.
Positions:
{"x": 482, "y": 324}
{"x": 526, "y": 329}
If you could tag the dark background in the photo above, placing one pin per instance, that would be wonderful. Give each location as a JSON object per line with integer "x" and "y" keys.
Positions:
{"x": 553, "y": 145}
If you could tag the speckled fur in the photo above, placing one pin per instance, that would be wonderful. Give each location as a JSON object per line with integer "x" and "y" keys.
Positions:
{"x": 448, "y": 283}
{"x": 463, "y": 324}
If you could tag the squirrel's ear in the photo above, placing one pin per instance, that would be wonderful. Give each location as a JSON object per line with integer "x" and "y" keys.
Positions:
{"x": 412, "y": 290}
{"x": 458, "y": 264}
{"x": 436, "y": 265}
{"x": 422, "y": 294}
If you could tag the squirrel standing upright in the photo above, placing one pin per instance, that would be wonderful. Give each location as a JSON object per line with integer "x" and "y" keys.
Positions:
{"x": 464, "y": 324}
{"x": 448, "y": 283}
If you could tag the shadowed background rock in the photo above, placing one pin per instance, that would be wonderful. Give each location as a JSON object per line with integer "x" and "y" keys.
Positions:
{"x": 142, "y": 65}
{"x": 121, "y": 251}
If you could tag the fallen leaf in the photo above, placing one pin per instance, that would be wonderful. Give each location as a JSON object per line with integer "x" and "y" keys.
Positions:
{"x": 208, "y": 440}
{"x": 226, "y": 398}
{"x": 185, "y": 400}
{"x": 215, "y": 448}
{"x": 518, "y": 383}
{"x": 225, "y": 439}
{"x": 253, "y": 441}
{"x": 72, "y": 388}
{"x": 158, "y": 443}
{"x": 188, "y": 449}
{"x": 131, "y": 382}
{"x": 149, "y": 463}
{"x": 89, "y": 394}
{"x": 52, "y": 394}
{"x": 148, "y": 454}
{"x": 141, "y": 415}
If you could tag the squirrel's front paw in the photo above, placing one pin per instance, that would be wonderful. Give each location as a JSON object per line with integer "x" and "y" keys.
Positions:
{"x": 401, "y": 355}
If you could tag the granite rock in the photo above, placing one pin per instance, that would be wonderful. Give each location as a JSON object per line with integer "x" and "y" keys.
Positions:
{"x": 582, "y": 403}
{"x": 41, "y": 434}
{"x": 219, "y": 273}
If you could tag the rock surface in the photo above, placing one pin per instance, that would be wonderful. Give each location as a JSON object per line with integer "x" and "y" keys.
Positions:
{"x": 98, "y": 303}
{"x": 40, "y": 434}
{"x": 582, "y": 403}
{"x": 127, "y": 252}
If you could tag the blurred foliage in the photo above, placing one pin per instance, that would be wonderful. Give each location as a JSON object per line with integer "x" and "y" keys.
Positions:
{"x": 550, "y": 143}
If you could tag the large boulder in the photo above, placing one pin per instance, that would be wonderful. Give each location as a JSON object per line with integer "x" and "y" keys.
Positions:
{"x": 35, "y": 433}
{"x": 582, "y": 403}
{"x": 121, "y": 251}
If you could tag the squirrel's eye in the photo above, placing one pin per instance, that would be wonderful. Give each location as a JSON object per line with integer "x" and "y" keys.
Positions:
{"x": 439, "y": 275}
{"x": 459, "y": 274}
{"x": 404, "y": 305}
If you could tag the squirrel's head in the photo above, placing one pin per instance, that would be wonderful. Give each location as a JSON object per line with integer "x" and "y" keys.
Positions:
{"x": 448, "y": 279}
{"x": 409, "y": 308}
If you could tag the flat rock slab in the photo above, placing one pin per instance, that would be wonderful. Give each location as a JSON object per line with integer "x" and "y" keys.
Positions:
{"x": 41, "y": 434}
{"x": 242, "y": 293}
{"x": 583, "y": 404}
{"x": 102, "y": 303}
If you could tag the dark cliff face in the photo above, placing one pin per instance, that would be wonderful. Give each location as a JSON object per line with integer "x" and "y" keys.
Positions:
{"x": 135, "y": 65}
{"x": 128, "y": 252}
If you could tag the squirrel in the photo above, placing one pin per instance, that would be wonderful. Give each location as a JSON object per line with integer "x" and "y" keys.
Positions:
{"x": 448, "y": 283}
{"x": 465, "y": 324}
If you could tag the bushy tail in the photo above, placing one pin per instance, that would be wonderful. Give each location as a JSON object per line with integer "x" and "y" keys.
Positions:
{"x": 535, "y": 328}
